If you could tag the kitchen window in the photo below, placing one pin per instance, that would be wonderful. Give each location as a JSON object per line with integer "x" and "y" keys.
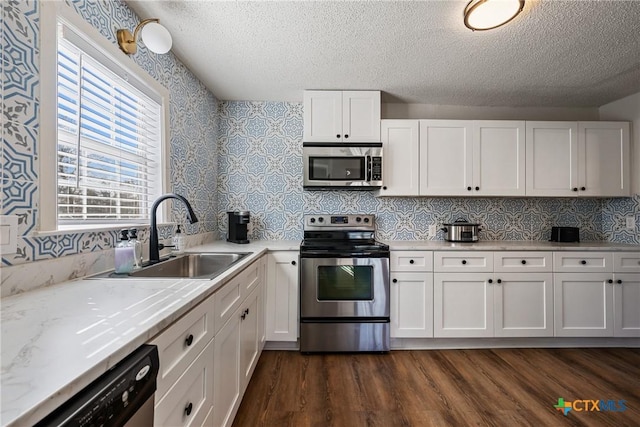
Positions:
{"x": 109, "y": 126}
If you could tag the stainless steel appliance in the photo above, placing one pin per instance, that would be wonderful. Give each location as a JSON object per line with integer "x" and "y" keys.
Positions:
{"x": 344, "y": 285}
{"x": 461, "y": 231}
{"x": 238, "y": 223}
{"x": 355, "y": 166}
{"x": 123, "y": 396}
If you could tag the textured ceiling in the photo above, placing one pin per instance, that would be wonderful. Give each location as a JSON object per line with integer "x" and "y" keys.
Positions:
{"x": 557, "y": 53}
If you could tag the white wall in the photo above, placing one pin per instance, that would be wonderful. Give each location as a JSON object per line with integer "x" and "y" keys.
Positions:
{"x": 628, "y": 109}
{"x": 431, "y": 111}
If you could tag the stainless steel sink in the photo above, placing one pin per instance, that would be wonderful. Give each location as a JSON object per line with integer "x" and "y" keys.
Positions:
{"x": 195, "y": 266}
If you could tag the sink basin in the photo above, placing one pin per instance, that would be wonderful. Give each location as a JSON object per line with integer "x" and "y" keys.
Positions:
{"x": 195, "y": 266}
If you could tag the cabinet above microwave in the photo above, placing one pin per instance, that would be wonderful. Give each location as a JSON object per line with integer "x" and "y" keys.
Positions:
{"x": 341, "y": 116}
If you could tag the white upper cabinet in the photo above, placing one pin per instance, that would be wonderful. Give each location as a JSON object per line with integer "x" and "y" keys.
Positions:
{"x": 400, "y": 169}
{"x": 446, "y": 151}
{"x": 578, "y": 159}
{"x": 472, "y": 158}
{"x": 552, "y": 158}
{"x": 341, "y": 116}
{"x": 603, "y": 159}
{"x": 498, "y": 158}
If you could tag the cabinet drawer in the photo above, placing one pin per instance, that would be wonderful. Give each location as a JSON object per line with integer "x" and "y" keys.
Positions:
{"x": 193, "y": 389}
{"x": 249, "y": 279}
{"x": 523, "y": 261}
{"x": 226, "y": 300}
{"x": 179, "y": 344}
{"x": 411, "y": 261}
{"x": 582, "y": 262}
{"x": 462, "y": 261}
{"x": 624, "y": 262}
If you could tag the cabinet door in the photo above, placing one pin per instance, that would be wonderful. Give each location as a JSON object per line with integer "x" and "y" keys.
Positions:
{"x": 552, "y": 158}
{"x": 626, "y": 299}
{"x": 446, "y": 151}
{"x": 603, "y": 159}
{"x": 411, "y": 305}
{"x": 180, "y": 344}
{"x": 462, "y": 305}
{"x": 361, "y": 116}
{"x": 400, "y": 170}
{"x": 498, "y": 158}
{"x": 262, "y": 330}
{"x": 226, "y": 365}
{"x": 282, "y": 296}
{"x": 249, "y": 337}
{"x": 523, "y": 304}
{"x": 322, "y": 116}
{"x": 583, "y": 304}
{"x": 189, "y": 400}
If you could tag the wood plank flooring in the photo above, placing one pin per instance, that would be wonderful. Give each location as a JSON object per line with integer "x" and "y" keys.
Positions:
{"x": 500, "y": 387}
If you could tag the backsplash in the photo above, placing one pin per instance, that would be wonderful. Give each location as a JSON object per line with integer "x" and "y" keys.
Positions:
{"x": 193, "y": 112}
{"x": 260, "y": 170}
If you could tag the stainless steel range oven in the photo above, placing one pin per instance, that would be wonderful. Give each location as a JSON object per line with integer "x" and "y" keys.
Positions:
{"x": 344, "y": 285}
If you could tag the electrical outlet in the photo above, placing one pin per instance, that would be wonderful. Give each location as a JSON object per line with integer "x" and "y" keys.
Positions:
{"x": 631, "y": 222}
{"x": 432, "y": 230}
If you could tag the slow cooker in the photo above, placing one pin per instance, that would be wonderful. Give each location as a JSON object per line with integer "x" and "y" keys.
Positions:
{"x": 461, "y": 230}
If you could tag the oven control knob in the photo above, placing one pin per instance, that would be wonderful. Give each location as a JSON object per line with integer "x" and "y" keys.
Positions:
{"x": 320, "y": 219}
{"x": 358, "y": 219}
{"x": 366, "y": 220}
{"x": 312, "y": 220}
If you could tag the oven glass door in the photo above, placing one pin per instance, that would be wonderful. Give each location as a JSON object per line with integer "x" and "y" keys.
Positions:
{"x": 344, "y": 287}
{"x": 345, "y": 283}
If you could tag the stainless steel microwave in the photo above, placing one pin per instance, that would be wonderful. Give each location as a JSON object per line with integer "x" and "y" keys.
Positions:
{"x": 353, "y": 166}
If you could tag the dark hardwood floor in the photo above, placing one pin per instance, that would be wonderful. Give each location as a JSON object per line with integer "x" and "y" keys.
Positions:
{"x": 502, "y": 387}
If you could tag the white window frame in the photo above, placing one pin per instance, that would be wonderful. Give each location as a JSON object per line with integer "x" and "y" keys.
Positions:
{"x": 51, "y": 14}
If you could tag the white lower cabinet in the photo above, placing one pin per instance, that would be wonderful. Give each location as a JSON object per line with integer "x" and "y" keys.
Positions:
{"x": 411, "y": 294}
{"x": 411, "y": 305}
{"x": 188, "y": 402}
{"x": 463, "y": 305}
{"x": 226, "y": 384}
{"x": 523, "y": 304}
{"x": 282, "y": 296}
{"x": 207, "y": 356}
{"x": 583, "y": 304}
{"x": 626, "y": 300}
{"x": 250, "y": 345}
{"x": 237, "y": 349}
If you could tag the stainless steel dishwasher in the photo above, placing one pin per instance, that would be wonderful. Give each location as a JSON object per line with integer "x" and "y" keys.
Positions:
{"x": 122, "y": 396}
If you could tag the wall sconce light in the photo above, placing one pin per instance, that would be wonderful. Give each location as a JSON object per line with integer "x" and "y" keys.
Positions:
{"x": 480, "y": 15}
{"x": 155, "y": 37}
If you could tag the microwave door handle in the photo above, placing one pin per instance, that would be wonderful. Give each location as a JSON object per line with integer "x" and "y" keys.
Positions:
{"x": 368, "y": 168}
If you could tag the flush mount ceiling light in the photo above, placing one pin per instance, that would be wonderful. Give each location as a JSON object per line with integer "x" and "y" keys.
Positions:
{"x": 480, "y": 15}
{"x": 155, "y": 37}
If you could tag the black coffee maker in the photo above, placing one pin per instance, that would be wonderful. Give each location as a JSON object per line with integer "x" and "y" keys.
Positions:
{"x": 238, "y": 221}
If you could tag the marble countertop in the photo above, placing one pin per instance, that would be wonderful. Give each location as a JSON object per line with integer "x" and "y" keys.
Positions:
{"x": 57, "y": 339}
{"x": 502, "y": 245}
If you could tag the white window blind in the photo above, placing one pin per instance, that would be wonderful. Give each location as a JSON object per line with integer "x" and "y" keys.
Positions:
{"x": 109, "y": 142}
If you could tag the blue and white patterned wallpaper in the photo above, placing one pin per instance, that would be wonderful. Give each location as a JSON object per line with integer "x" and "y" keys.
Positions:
{"x": 260, "y": 170}
{"x": 193, "y": 113}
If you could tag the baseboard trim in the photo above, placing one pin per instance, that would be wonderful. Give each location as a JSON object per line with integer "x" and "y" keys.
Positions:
{"x": 471, "y": 343}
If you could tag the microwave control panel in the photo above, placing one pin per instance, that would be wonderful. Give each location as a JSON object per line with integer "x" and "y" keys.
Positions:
{"x": 376, "y": 168}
